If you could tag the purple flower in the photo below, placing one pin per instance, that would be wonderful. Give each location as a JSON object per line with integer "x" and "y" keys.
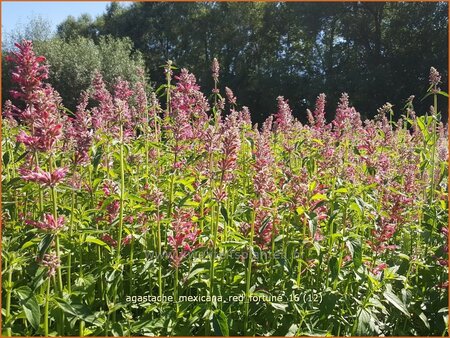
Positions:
{"x": 346, "y": 118}
{"x": 319, "y": 112}
{"x": 103, "y": 114}
{"x": 45, "y": 178}
{"x": 48, "y": 224}
{"x": 127, "y": 239}
{"x": 263, "y": 180}
{"x": 141, "y": 100}
{"x": 230, "y": 149}
{"x": 435, "y": 77}
{"x": 230, "y": 96}
{"x": 283, "y": 117}
{"x": 109, "y": 240}
{"x": 184, "y": 236}
{"x": 51, "y": 261}
{"x": 189, "y": 111}
{"x": 215, "y": 68}
{"x": 29, "y": 72}
{"x": 113, "y": 210}
{"x": 79, "y": 131}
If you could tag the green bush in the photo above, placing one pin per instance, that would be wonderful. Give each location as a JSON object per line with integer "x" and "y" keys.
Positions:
{"x": 74, "y": 62}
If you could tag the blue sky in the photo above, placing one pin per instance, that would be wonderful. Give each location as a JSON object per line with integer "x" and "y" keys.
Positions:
{"x": 15, "y": 14}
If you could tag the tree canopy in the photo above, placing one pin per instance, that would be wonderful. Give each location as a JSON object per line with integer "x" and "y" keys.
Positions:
{"x": 376, "y": 52}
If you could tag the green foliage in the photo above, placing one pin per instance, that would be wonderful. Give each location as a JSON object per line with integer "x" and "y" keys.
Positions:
{"x": 373, "y": 51}
{"x": 74, "y": 62}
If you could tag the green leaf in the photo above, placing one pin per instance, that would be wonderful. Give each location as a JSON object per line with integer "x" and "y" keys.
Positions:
{"x": 79, "y": 311}
{"x": 354, "y": 246}
{"x": 92, "y": 239}
{"x": 21, "y": 156}
{"x": 394, "y": 300}
{"x": 44, "y": 244}
{"x": 134, "y": 197}
{"x": 341, "y": 191}
{"x": 279, "y": 306}
{"x": 29, "y": 243}
{"x": 424, "y": 319}
{"x": 300, "y": 210}
{"x": 29, "y": 305}
{"x": 319, "y": 197}
{"x": 97, "y": 158}
{"x": 264, "y": 224}
{"x": 224, "y": 213}
{"x": 363, "y": 327}
{"x": 6, "y": 159}
{"x": 333, "y": 267}
{"x": 220, "y": 323}
{"x": 39, "y": 278}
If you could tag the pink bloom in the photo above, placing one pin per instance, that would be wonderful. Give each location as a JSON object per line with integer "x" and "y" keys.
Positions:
{"x": 51, "y": 262}
{"x": 263, "y": 180}
{"x": 379, "y": 268}
{"x": 189, "y": 108}
{"x": 113, "y": 210}
{"x": 29, "y": 141}
{"x": 28, "y": 72}
{"x": 48, "y": 224}
{"x": 9, "y": 112}
{"x": 346, "y": 118}
{"x": 153, "y": 195}
{"x": 435, "y": 77}
{"x": 127, "y": 239}
{"x": 109, "y": 187}
{"x": 41, "y": 102}
{"x": 319, "y": 112}
{"x": 230, "y": 149}
{"x": 215, "y": 68}
{"x": 283, "y": 118}
{"x": 230, "y": 96}
{"x": 103, "y": 115}
{"x": 43, "y": 177}
{"x": 184, "y": 237}
{"x": 140, "y": 97}
{"x": 109, "y": 240}
{"x": 79, "y": 130}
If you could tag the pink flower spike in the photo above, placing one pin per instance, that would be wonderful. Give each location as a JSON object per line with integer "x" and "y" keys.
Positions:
{"x": 48, "y": 224}
{"x": 215, "y": 68}
{"x": 127, "y": 239}
{"x": 43, "y": 177}
{"x": 109, "y": 240}
{"x": 52, "y": 262}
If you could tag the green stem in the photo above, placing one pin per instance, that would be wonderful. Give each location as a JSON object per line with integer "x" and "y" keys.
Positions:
{"x": 69, "y": 264}
{"x": 8, "y": 302}
{"x": 81, "y": 328}
{"x": 131, "y": 266}
{"x": 41, "y": 191}
{"x": 82, "y": 324}
{"x": 175, "y": 290}
{"x": 122, "y": 193}
{"x": 249, "y": 272}
{"x": 55, "y": 216}
{"x": 47, "y": 301}
{"x": 214, "y": 225}
{"x": 160, "y": 284}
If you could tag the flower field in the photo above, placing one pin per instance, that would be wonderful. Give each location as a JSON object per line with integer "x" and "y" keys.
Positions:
{"x": 166, "y": 212}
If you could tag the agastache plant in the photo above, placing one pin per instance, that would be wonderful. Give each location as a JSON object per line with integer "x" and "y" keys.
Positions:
{"x": 335, "y": 226}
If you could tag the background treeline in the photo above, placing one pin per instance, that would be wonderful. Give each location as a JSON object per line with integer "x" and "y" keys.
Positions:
{"x": 376, "y": 52}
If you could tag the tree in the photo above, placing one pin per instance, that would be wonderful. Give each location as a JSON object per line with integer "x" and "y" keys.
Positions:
{"x": 72, "y": 28}
{"x": 376, "y": 52}
{"x": 74, "y": 62}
